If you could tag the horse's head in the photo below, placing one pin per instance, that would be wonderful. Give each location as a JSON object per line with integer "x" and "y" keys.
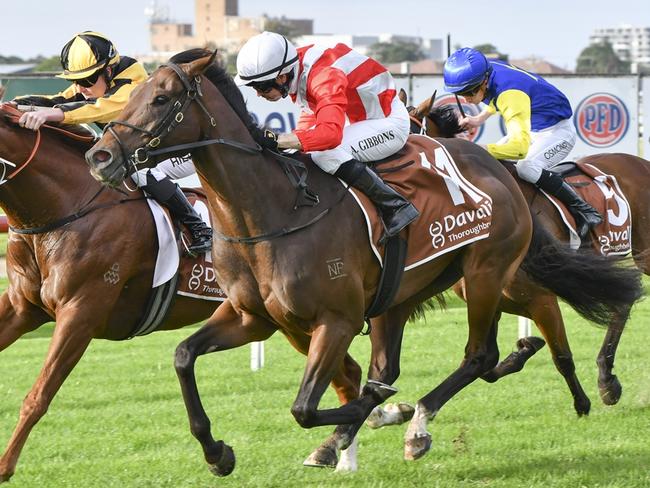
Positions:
{"x": 168, "y": 106}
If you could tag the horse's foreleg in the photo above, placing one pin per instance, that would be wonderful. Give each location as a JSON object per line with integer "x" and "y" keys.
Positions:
{"x": 386, "y": 338}
{"x": 608, "y": 384}
{"x": 16, "y": 321}
{"x": 68, "y": 344}
{"x": 226, "y": 329}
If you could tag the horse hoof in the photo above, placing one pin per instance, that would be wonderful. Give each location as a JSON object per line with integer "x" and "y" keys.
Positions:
{"x": 582, "y": 409}
{"x": 417, "y": 447}
{"x": 4, "y": 477}
{"x": 226, "y": 463}
{"x": 323, "y": 457}
{"x": 391, "y": 414}
{"x": 610, "y": 391}
{"x": 531, "y": 342}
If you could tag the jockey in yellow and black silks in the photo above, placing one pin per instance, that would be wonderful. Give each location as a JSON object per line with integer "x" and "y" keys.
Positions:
{"x": 102, "y": 82}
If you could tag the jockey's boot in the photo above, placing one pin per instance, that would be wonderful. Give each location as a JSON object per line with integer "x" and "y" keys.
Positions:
{"x": 586, "y": 216}
{"x": 169, "y": 194}
{"x": 396, "y": 211}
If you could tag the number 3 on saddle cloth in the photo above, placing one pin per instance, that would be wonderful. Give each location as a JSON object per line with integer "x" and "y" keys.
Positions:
{"x": 611, "y": 237}
{"x": 177, "y": 273}
{"x": 453, "y": 212}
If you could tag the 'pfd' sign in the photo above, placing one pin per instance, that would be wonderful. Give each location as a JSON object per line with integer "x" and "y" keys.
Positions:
{"x": 601, "y": 120}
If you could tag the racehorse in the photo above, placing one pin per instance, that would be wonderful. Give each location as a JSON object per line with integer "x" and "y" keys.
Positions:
{"x": 271, "y": 258}
{"x": 87, "y": 264}
{"x": 528, "y": 299}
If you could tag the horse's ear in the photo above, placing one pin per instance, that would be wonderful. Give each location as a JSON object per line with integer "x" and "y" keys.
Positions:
{"x": 424, "y": 108}
{"x": 197, "y": 67}
{"x": 402, "y": 96}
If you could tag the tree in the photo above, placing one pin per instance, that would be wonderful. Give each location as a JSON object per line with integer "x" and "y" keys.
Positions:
{"x": 601, "y": 59}
{"x": 49, "y": 64}
{"x": 491, "y": 51}
{"x": 282, "y": 26}
{"x": 395, "y": 52}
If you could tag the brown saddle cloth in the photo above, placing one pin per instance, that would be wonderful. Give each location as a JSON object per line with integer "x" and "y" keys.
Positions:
{"x": 197, "y": 278}
{"x": 453, "y": 212}
{"x": 613, "y": 236}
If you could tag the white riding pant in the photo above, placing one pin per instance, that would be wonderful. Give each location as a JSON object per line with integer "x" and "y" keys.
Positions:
{"x": 368, "y": 140}
{"x": 548, "y": 147}
{"x": 175, "y": 168}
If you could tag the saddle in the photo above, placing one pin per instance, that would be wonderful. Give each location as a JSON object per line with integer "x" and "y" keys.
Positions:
{"x": 611, "y": 237}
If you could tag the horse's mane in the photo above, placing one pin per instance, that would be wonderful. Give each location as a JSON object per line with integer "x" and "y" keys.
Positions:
{"x": 225, "y": 84}
{"x": 446, "y": 119}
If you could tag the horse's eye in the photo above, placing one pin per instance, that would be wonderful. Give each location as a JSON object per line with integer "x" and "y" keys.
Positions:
{"x": 161, "y": 100}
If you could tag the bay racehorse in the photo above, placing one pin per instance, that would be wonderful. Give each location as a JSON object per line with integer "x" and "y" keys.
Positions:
{"x": 87, "y": 264}
{"x": 271, "y": 259}
{"x": 528, "y": 299}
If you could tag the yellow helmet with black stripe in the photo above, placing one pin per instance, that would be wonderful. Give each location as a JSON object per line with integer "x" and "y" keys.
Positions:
{"x": 85, "y": 54}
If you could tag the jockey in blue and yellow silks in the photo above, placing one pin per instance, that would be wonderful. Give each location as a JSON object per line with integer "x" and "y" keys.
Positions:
{"x": 537, "y": 117}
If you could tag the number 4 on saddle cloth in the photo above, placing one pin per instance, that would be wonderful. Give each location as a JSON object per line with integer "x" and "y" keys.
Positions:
{"x": 453, "y": 211}
{"x": 176, "y": 272}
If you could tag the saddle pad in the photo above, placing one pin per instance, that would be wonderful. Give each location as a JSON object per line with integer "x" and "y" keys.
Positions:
{"x": 197, "y": 278}
{"x": 453, "y": 212}
{"x": 613, "y": 236}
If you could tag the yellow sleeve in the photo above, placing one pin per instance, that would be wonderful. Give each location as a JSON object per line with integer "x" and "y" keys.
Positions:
{"x": 514, "y": 106}
{"x": 491, "y": 108}
{"x": 102, "y": 110}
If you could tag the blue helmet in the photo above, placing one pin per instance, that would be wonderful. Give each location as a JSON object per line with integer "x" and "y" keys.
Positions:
{"x": 464, "y": 70}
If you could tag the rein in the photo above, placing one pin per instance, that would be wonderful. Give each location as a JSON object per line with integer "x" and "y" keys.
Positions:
{"x": 13, "y": 114}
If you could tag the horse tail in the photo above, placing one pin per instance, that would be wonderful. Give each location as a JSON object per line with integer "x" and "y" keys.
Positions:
{"x": 599, "y": 288}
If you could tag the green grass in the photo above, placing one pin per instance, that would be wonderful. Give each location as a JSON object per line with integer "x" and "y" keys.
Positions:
{"x": 119, "y": 420}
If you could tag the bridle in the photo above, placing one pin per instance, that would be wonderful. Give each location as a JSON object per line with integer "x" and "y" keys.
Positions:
{"x": 175, "y": 116}
{"x": 167, "y": 124}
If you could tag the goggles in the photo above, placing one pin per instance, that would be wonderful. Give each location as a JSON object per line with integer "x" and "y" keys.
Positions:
{"x": 263, "y": 86}
{"x": 90, "y": 81}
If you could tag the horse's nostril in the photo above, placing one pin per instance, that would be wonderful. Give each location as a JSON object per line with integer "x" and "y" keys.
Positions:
{"x": 101, "y": 156}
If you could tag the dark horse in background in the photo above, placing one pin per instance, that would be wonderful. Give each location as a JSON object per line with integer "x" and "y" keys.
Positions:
{"x": 529, "y": 299}
{"x": 277, "y": 279}
{"x": 60, "y": 272}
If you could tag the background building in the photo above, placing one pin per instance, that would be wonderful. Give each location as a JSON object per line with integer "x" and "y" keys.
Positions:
{"x": 217, "y": 24}
{"x": 629, "y": 43}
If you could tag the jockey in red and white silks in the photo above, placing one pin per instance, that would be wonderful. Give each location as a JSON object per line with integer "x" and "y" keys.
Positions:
{"x": 350, "y": 112}
{"x": 338, "y": 83}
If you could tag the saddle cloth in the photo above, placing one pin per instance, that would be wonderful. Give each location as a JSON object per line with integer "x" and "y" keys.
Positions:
{"x": 613, "y": 236}
{"x": 196, "y": 278}
{"x": 453, "y": 212}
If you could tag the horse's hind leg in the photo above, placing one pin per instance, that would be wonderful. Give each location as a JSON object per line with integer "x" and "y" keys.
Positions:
{"x": 608, "y": 384}
{"x": 226, "y": 329}
{"x": 68, "y": 344}
{"x": 481, "y": 354}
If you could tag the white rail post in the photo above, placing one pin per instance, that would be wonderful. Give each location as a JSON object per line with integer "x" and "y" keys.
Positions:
{"x": 257, "y": 355}
{"x": 524, "y": 327}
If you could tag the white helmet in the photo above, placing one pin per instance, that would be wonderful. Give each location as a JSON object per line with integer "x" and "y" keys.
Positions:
{"x": 264, "y": 57}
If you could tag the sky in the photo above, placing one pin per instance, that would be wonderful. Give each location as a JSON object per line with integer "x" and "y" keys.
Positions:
{"x": 556, "y": 30}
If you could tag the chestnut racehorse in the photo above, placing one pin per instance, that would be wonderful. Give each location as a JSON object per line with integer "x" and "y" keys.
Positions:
{"x": 528, "y": 299}
{"x": 271, "y": 256}
{"x": 82, "y": 233}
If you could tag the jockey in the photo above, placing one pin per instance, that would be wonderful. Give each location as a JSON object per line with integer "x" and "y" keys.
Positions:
{"x": 351, "y": 114}
{"x": 102, "y": 81}
{"x": 537, "y": 117}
